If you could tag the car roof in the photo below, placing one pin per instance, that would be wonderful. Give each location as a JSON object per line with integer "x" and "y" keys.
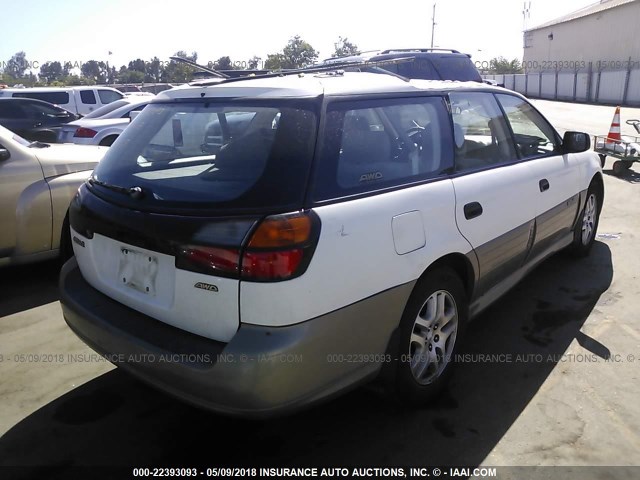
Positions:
{"x": 302, "y": 85}
{"x": 392, "y": 53}
{"x": 56, "y": 89}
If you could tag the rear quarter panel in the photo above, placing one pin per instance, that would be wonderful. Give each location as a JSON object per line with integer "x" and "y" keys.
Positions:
{"x": 63, "y": 189}
{"x": 357, "y": 255}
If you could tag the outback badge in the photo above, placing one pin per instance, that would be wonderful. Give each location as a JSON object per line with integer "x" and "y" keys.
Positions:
{"x": 77, "y": 241}
{"x": 206, "y": 286}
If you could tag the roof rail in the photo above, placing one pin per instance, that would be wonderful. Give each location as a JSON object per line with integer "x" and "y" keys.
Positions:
{"x": 319, "y": 69}
{"x": 213, "y": 72}
{"x": 391, "y": 50}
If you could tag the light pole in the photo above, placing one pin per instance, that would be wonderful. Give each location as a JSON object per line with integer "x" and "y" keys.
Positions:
{"x": 433, "y": 23}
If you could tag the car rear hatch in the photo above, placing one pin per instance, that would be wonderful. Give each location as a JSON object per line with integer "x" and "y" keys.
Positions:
{"x": 185, "y": 205}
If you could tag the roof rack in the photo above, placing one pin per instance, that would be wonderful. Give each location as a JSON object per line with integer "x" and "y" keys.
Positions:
{"x": 391, "y": 50}
{"x": 324, "y": 68}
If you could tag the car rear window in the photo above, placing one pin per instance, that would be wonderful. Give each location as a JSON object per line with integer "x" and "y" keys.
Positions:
{"x": 213, "y": 155}
{"x": 108, "y": 96}
{"x": 455, "y": 68}
{"x": 420, "y": 68}
{"x": 59, "y": 98}
{"x": 105, "y": 109}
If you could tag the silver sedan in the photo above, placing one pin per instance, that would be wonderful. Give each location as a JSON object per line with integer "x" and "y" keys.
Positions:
{"x": 37, "y": 183}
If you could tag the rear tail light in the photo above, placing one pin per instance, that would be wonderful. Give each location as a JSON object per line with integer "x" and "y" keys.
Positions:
{"x": 210, "y": 260}
{"x": 85, "y": 133}
{"x": 280, "y": 248}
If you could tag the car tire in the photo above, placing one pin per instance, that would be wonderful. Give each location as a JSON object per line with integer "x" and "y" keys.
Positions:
{"x": 621, "y": 166}
{"x": 584, "y": 233}
{"x": 424, "y": 358}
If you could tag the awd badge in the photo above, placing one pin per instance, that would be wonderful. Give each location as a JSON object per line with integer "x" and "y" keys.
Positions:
{"x": 206, "y": 286}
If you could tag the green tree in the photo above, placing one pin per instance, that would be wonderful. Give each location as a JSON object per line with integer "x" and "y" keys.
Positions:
{"x": 17, "y": 65}
{"x": 223, "y": 63}
{"x": 500, "y": 65}
{"x": 254, "y": 62}
{"x": 51, "y": 71}
{"x": 344, "y": 48}
{"x": 274, "y": 61}
{"x": 130, "y": 76}
{"x": 138, "y": 65}
{"x": 94, "y": 71}
{"x": 296, "y": 54}
{"x": 153, "y": 70}
{"x": 178, "y": 72}
{"x": 73, "y": 80}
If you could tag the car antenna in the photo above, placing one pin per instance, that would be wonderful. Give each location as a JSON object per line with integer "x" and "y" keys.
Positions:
{"x": 201, "y": 67}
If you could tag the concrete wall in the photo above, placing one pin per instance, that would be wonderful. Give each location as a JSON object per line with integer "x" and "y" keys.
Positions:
{"x": 610, "y": 37}
{"x": 613, "y": 87}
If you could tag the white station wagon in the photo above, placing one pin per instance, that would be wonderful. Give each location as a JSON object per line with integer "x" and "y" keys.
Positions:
{"x": 256, "y": 245}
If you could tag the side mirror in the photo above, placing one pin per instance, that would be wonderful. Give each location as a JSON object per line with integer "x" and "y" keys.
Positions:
{"x": 575, "y": 142}
{"x": 133, "y": 115}
{"x": 4, "y": 154}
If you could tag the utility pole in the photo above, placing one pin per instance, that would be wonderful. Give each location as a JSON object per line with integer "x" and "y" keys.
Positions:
{"x": 526, "y": 13}
{"x": 433, "y": 23}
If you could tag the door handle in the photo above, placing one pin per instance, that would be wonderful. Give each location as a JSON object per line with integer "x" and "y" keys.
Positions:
{"x": 472, "y": 210}
{"x": 544, "y": 185}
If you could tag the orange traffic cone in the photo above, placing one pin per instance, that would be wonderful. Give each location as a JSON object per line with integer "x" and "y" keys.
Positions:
{"x": 614, "y": 132}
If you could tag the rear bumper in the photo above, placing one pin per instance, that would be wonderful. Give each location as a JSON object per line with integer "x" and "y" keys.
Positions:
{"x": 261, "y": 372}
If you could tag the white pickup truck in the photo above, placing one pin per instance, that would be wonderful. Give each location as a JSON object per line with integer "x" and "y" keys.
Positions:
{"x": 81, "y": 100}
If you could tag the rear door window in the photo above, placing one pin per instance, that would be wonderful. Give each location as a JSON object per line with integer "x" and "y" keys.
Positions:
{"x": 88, "y": 97}
{"x": 42, "y": 109}
{"x": 11, "y": 110}
{"x": 376, "y": 144}
{"x": 481, "y": 134}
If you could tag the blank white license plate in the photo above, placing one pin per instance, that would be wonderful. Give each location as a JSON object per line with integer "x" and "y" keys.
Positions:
{"x": 138, "y": 270}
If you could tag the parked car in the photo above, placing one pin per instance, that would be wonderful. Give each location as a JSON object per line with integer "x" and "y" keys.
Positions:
{"x": 348, "y": 230}
{"x": 110, "y": 107}
{"x": 33, "y": 119}
{"x": 103, "y": 129}
{"x": 139, "y": 94}
{"x": 79, "y": 100}
{"x": 37, "y": 182}
{"x": 427, "y": 63}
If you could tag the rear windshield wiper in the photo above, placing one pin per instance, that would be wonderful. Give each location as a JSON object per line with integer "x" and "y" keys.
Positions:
{"x": 37, "y": 144}
{"x": 134, "y": 192}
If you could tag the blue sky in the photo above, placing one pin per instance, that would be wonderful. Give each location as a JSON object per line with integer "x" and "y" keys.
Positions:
{"x": 77, "y": 31}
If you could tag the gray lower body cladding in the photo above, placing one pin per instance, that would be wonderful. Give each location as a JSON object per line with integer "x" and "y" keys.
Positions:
{"x": 261, "y": 372}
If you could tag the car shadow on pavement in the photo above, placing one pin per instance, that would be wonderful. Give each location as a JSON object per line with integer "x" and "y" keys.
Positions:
{"x": 28, "y": 286}
{"x": 115, "y": 420}
{"x": 627, "y": 175}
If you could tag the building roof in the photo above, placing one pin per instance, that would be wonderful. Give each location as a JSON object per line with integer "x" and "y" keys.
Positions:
{"x": 583, "y": 12}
